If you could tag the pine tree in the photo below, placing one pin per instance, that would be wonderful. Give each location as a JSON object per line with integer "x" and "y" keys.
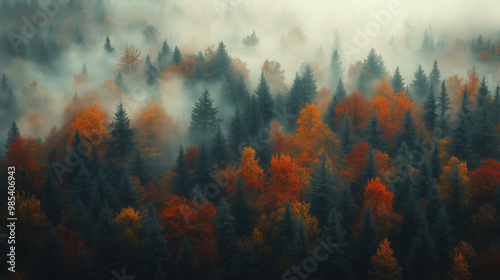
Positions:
{"x": 482, "y": 95}
{"x": 462, "y": 138}
{"x": 442, "y": 235}
{"x": 221, "y": 63}
{"x": 50, "y": 202}
{"x": 219, "y": 152}
{"x": 12, "y": 135}
{"x": 236, "y": 133}
{"x": 122, "y": 142}
{"x": 330, "y": 115}
{"x": 443, "y": 106}
{"x": 139, "y": 168}
{"x": 176, "y": 56}
{"x": 484, "y": 137}
{"x": 300, "y": 242}
{"x": 294, "y": 103}
{"x": 253, "y": 119}
{"x": 119, "y": 82}
{"x": 425, "y": 180}
{"x": 95, "y": 165}
{"x": 241, "y": 210}
{"x": 374, "y": 134}
{"x": 346, "y": 133}
{"x": 243, "y": 263}
{"x": 422, "y": 257}
{"x": 367, "y": 242}
{"x": 412, "y": 219}
{"x": 430, "y": 111}
{"x": 225, "y": 233}
{"x": 164, "y": 56}
{"x": 181, "y": 179}
{"x": 397, "y": 81}
{"x": 338, "y": 261}
{"x": 370, "y": 170}
{"x": 187, "y": 267}
{"x": 108, "y": 238}
{"x": 50, "y": 258}
{"x": 82, "y": 268}
{"x": 150, "y": 73}
{"x": 154, "y": 252}
{"x": 95, "y": 201}
{"x": 419, "y": 85}
{"x": 321, "y": 191}
{"x": 128, "y": 195}
{"x": 346, "y": 206}
{"x": 336, "y": 69}
{"x": 82, "y": 220}
{"x": 203, "y": 169}
{"x": 496, "y": 106}
{"x": 427, "y": 44}
{"x": 435, "y": 77}
{"x": 79, "y": 189}
{"x": 309, "y": 86}
{"x": 108, "y": 47}
{"x": 286, "y": 229}
{"x": 433, "y": 205}
{"x": 265, "y": 100}
{"x": 84, "y": 69}
{"x": 407, "y": 134}
{"x": 204, "y": 119}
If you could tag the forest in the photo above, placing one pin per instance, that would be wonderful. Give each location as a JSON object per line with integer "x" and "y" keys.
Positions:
{"x": 134, "y": 146}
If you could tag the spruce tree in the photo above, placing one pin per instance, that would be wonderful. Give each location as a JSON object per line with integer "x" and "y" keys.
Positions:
{"x": 419, "y": 85}
{"x": 330, "y": 115}
{"x": 128, "y": 195}
{"x": 309, "y": 86}
{"x": 338, "y": 262}
{"x": 219, "y": 152}
{"x": 187, "y": 266}
{"x": 181, "y": 179}
{"x": 265, "y": 100}
{"x": 83, "y": 221}
{"x": 443, "y": 106}
{"x": 321, "y": 192}
{"x": 484, "y": 137}
{"x": 294, "y": 103}
{"x": 119, "y": 82}
{"x": 286, "y": 230}
{"x": 370, "y": 170}
{"x": 336, "y": 69}
{"x": 12, "y": 135}
{"x": 442, "y": 234}
{"x": 221, "y": 65}
{"x": 397, "y": 81}
{"x": 462, "y": 138}
{"x": 108, "y": 238}
{"x": 346, "y": 133}
{"x": 95, "y": 165}
{"x": 204, "y": 119}
{"x": 50, "y": 198}
{"x": 95, "y": 201}
{"x": 253, "y": 119}
{"x": 433, "y": 205}
{"x": 108, "y": 47}
{"x": 300, "y": 242}
{"x": 203, "y": 169}
{"x": 422, "y": 257}
{"x": 154, "y": 252}
{"x": 435, "y": 77}
{"x": 164, "y": 56}
{"x": 176, "y": 56}
{"x": 430, "y": 111}
{"x": 435, "y": 161}
{"x": 121, "y": 142}
{"x": 412, "y": 219}
{"x": 236, "y": 134}
{"x": 425, "y": 180}
{"x": 496, "y": 106}
{"x": 80, "y": 187}
{"x": 150, "y": 73}
{"x": 374, "y": 134}
{"x": 482, "y": 95}
{"x": 225, "y": 233}
{"x": 139, "y": 168}
{"x": 243, "y": 263}
{"x": 346, "y": 206}
{"x": 82, "y": 268}
{"x": 241, "y": 210}
{"x": 366, "y": 242}
{"x": 407, "y": 134}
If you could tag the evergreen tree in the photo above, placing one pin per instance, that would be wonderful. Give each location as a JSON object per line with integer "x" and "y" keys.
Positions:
{"x": 243, "y": 263}
{"x": 221, "y": 65}
{"x": 12, "y": 134}
{"x": 433, "y": 205}
{"x": 338, "y": 261}
{"x": 443, "y": 106}
{"x": 176, "y": 56}
{"x": 84, "y": 69}
{"x": 95, "y": 202}
{"x": 435, "y": 161}
{"x": 330, "y": 115}
{"x": 407, "y": 134}
{"x": 187, "y": 266}
{"x": 321, "y": 191}
{"x": 204, "y": 119}
{"x": 412, "y": 219}
{"x": 496, "y": 106}
{"x": 397, "y": 81}
{"x": 181, "y": 179}
{"x": 419, "y": 85}
{"x": 346, "y": 133}
{"x": 219, "y": 153}
{"x": 286, "y": 230}
{"x": 108, "y": 47}
{"x": 164, "y": 56}
{"x": 425, "y": 180}
{"x": 139, "y": 168}
{"x": 108, "y": 238}
{"x": 51, "y": 260}
{"x": 442, "y": 235}
{"x": 82, "y": 220}
{"x": 462, "y": 138}
{"x": 236, "y": 133}
{"x": 121, "y": 143}
{"x": 203, "y": 169}
{"x": 367, "y": 242}
{"x": 496, "y": 199}
{"x": 484, "y": 136}
{"x": 336, "y": 69}
{"x": 373, "y": 66}
{"x": 370, "y": 170}
{"x": 265, "y": 100}
{"x": 427, "y": 44}
{"x": 374, "y": 134}
{"x": 264, "y": 148}
{"x": 309, "y": 86}
{"x": 253, "y": 119}
{"x": 154, "y": 252}
{"x": 422, "y": 257}
{"x": 346, "y": 206}
{"x": 82, "y": 268}
{"x": 430, "y": 111}
{"x": 225, "y": 233}
{"x": 482, "y": 95}
{"x": 294, "y": 103}
{"x": 128, "y": 195}
{"x": 95, "y": 165}
{"x": 150, "y": 73}
{"x": 119, "y": 82}
{"x": 435, "y": 77}
{"x": 241, "y": 210}
{"x": 457, "y": 205}
{"x": 301, "y": 242}
{"x": 80, "y": 188}
{"x": 4, "y": 84}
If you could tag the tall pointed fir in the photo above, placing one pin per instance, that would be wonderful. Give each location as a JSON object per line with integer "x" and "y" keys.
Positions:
{"x": 154, "y": 250}
{"x": 221, "y": 64}
{"x": 309, "y": 85}
{"x": 374, "y": 134}
{"x": 176, "y": 56}
{"x": 50, "y": 198}
{"x": 203, "y": 169}
{"x": 150, "y": 74}
{"x": 435, "y": 77}
{"x": 321, "y": 192}
{"x": 108, "y": 238}
{"x": 265, "y": 100}
{"x": 338, "y": 262}
{"x": 204, "y": 119}
{"x": 187, "y": 267}
{"x": 300, "y": 242}
{"x": 430, "y": 110}
{"x": 407, "y": 134}
{"x": 485, "y": 137}
{"x": 164, "y": 56}
{"x": 224, "y": 225}
{"x": 108, "y": 47}
{"x": 181, "y": 178}
{"x": 219, "y": 152}
{"x": 441, "y": 232}
{"x": 397, "y": 81}
{"x": 422, "y": 257}
{"x": 236, "y": 134}
{"x": 119, "y": 82}
{"x": 127, "y": 193}
{"x": 50, "y": 258}
{"x": 253, "y": 119}
{"x": 419, "y": 85}
{"x": 366, "y": 242}
{"x": 496, "y": 106}
{"x": 139, "y": 168}
{"x": 330, "y": 115}
{"x": 336, "y": 69}
{"x": 482, "y": 95}
{"x": 286, "y": 230}
{"x": 241, "y": 210}
{"x": 443, "y": 106}
{"x": 121, "y": 143}
{"x": 12, "y": 135}
{"x": 412, "y": 219}
{"x": 462, "y": 138}
{"x": 346, "y": 206}
{"x": 294, "y": 103}
{"x": 346, "y": 134}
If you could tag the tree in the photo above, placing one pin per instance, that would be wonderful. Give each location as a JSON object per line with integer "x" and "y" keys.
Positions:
{"x": 462, "y": 138}
{"x": 129, "y": 58}
{"x": 82, "y": 268}
{"x": 108, "y": 47}
{"x": 122, "y": 142}
{"x": 164, "y": 56}
{"x": 243, "y": 263}
{"x": 346, "y": 206}
{"x": 286, "y": 229}
{"x": 367, "y": 242}
{"x": 484, "y": 138}
{"x": 496, "y": 106}
{"x": 204, "y": 119}
{"x": 108, "y": 238}
{"x": 485, "y": 180}
{"x": 443, "y": 106}
{"x": 483, "y": 95}
{"x": 321, "y": 192}
{"x": 119, "y": 82}
{"x": 330, "y": 115}
{"x": 300, "y": 242}
{"x": 251, "y": 40}
{"x": 150, "y": 73}
{"x": 435, "y": 77}
{"x": 385, "y": 265}
{"x": 127, "y": 193}
{"x": 422, "y": 258}
{"x": 187, "y": 265}
{"x": 374, "y": 134}
{"x": 284, "y": 182}
{"x": 219, "y": 152}
{"x": 354, "y": 106}
{"x": 419, "y": 85}
{"x": 294, "y": 102}
{"x": 430, "y": 111}
{"x": 203, "y": 169}
{"x": 181, "y": 178}
{"x": 336, "y": 69}
{"x": 154, "y": 250}
{"x": 397, "y": 81}
{"x": 442, "y": 234}
{"x": 241, "y": 210}
{"x": 236, "y": 133}
{"x": 221, "y": 64}
{"x": 176, "y": 56}
{"x": 460, "y": 268}
{"x": 139, "y": 168}
{"x": 252, "y": 175}
{"x": 51, "y": 257}
{"x": 412, "y": 219}
{"x": 407, "y": 134}
{"x": 50, "y": 194}
{"x": 225, "y": 233}
{"x": 150, "y": 33}
{"x": 427, "y": 44}
{"x": 12, "y": 135}
{"x": 264, "y": 100}
{"x": 346, "y": 134}
{"x": 309, "y": 85}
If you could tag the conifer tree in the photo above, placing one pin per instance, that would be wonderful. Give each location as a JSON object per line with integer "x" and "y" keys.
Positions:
{"x": 243, "y": 263}
{"x": 12, "y": 135}
{"x": 241, "y": 210}
{"x": 294, "y": 103}
{"x": 286, "y": 229}
{"x": 221, "y": 66}
{"x": 443, "y": 106}
{"x": 150, "y": 73}
{"x": 435, "y": 77}
{"x": 119, "y": 82}
{"x": 253, "y": 119}
{"x": 462, "y": 138}
{"x": 412, "y": 219}
{"x": 301, "y": 242}
{"x": 309, "y": 86}
{"x": 181, "y": 179}
{"x": 219, "y": 152}
{"x": 187, "y": 266}
{"x": 330, "y": 115}
{"x": 422, "y": 256}
{"x": 139, "y": 168}
{"x": 397, "y": 81}
{"x": 346, "y": 206}
{"x": 430, "y": 111}
{"x": 346, "y": 134}
{"x": 484, "y": 138}
{"x": 225, "y": 233}
{"x": 108, "y": 238}
{"x": 50, "y": 198}
{"x": 367, "y": 242}
{"x": 496, "y": 106}
{"x": 128, "y": 195}
{"x": 50, "y": 258}
{"x": 442, "y": 235}
{"x": 482, "y": 95}
{"x": 336, "y": 69}
{"x": 433, "y": 205}
{"x": 164, "y": 56}
{"x": 204, "y": 119}
{"x": 424, "y": 180}
{"x": 154, "y": 251}
{"x": 122, "y": 142}
{"x": 419, "y": 85}
{"x": 407, "y": 134}
{"x": 374, "y": 134}
{"x": 236, "y": 133}
{"x": 321, "y": 191}
{"x": 82, "y": 268}
{"x": 176, "y": 56}
{"x": 203, "y": 169}
{"x": 265, "y": 100}
{"x": 108, "y": 47}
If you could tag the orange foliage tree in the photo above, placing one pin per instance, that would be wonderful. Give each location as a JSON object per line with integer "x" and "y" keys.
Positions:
{"x": 356, "y": 108}
{"x": 284, "y": 183}
{"x": 252, "y": 175}
{"x": 184, "y": 69}
{"x": 460, "y": 268}
{"x": 129, "y": 58}
{"x": 484, "y": 180}
{"x": 385, "y": 265}
{"x": 355, "y": 160}
{"x": 92, "y": 125}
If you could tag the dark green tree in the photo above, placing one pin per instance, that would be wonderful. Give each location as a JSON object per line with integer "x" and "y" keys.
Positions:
{"x": 346, "y": 206}
{"x": 407, "y": 134}
{"x": 425, "y": 180}
{"x": 422, "y": 257}
{"x": 82, "y": 220}
{"x": 187, "y": 266}
{"x": 482, "y": 95}
{"x": 12, "y": 135}
{"x": 181, "y": 179}
{"x": 128, "y": 195}
{"x": 51, "y": 260}
{"x": 108, "y": 47}
{"x": 462, "y": 138}
{"x": 243, "y": 263}
{"x": 321, "y": 192}
{"x": 374, "y": 134}
{"x": 366, "y": 242}
{"x": 433, "y": 205}
{"x": 443, "y": 106}
{"x": 338, "y": 261}
{"x": 176, "y": 56}
{"x": 139, "y": 168}
{"x": 484, "y": 138}
{"x": 309, "y": 86}
{"x": 225, "y": 233}
{"x": 203, "y": 169}
{"x": 108, "y": 238}
{"x": 119, "y": 82}
{"x": 430, "y": 111}
{"x": 496, "y": 106}
{"x": 286, "y": 230}
{"x": 154, "y": 251}
{"x": 241, "y": 210}
{"x": 253, "y": 119}
{"x": 221, "y": 65}
{"x": 164, "y": 56}
{"x": 419, "y": 85}
{"x": 121, "y": 142}
{"x": 204, "y": 119}
{"x": 336, "y": 69}
{"x": 412, "y": 218}
{"x": 397, "y": 81}
{"x": 265, "y": 100}
{"x": 442, "y": 235}
{"x": 300, "y": 242}
{"x": 346, "y": 134}
{"x": 294, "y": 103}
{"x": 435, "y": 160}
{"x": 435, "y": 77}
{"x": 82, "y": 268}
{"x": 150, "y": 73}
{"x": 330, "y": 115}
{"x": 219, "y": 151}
{"x": 236, "y": 134}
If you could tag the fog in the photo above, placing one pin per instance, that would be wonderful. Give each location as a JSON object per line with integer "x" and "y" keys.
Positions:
{"x": 394, "y": 28}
